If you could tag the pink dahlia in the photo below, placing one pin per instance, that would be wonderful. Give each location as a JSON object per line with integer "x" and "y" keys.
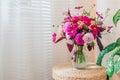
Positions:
{"x": 71, "y": 32}
{"x": 88, "y": 37}
{"x": 79, "y": 39}
{"x": 69, "y": 29}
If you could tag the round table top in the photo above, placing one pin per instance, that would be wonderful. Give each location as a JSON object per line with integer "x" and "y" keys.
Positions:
{"x": 65, "y": 71}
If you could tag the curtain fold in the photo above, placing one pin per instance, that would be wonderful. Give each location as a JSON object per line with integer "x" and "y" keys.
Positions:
{"x": 25, "y": 39}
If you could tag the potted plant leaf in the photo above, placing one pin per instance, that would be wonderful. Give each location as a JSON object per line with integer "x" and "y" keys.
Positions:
{"x": 113, "y": 66}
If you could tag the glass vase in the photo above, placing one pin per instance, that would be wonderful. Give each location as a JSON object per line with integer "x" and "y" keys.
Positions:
{"x": 82, "y": 57}
{"x": 78, "y": 58}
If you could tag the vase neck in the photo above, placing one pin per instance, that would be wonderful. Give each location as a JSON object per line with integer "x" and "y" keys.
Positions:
{"x": 80, "y": 48}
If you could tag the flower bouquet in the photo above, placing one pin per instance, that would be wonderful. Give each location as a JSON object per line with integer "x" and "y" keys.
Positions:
{"x": 80, "y": 30}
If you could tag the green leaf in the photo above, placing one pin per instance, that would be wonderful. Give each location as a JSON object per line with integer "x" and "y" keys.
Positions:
{"x": 116, "y": 17}
{"x": 113, "y": 67}
{"x": 92, "y": 44}
{"x": 86, "y": 27}
{"x": 117, "y": 65}
{"x": 110, "y": 66}
{"x": 106, "y": 50}
{"x": 86, "y": 13}
{"x": 118, "y": 40}
{"x": 118, "y": 53}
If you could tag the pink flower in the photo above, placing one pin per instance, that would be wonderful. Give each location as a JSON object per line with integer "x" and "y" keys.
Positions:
{"x": 69, "y": 30}
{"x": 99, "y": 15}
{"x": 86, "y": 20}
{"x": 66, "y": 26}
{"x": 54, "y": 37}
{"x": 88, "y": 37}
{"x": 78, "y": 7}
{"x": 79, "y": 39}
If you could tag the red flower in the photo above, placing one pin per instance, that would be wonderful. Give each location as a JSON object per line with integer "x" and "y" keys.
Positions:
{"x": 75, "y": 19}
{"x": 94, "y": 30}
{"x": 86, "y": 20}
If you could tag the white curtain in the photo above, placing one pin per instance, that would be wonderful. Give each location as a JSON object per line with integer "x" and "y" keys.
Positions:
{"x": 25, "y": 40}
{"x": 26, "y": 50}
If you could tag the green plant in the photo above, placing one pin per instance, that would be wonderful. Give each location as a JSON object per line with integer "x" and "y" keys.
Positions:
{"x": 112, "y": 65}
{"x": 116, "y": 17}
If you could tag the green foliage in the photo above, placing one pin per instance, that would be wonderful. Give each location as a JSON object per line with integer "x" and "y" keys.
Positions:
{"x": 117, "y": 65}
{"x": 112, "y": 66}
{"x": 116, "y": 17}
{"x": 106, "y": 50}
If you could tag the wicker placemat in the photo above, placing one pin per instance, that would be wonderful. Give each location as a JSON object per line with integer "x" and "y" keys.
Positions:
{"x": 67, "y": 72}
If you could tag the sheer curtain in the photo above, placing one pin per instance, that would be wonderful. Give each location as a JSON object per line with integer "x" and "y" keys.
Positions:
{"x": 25, "y": 37}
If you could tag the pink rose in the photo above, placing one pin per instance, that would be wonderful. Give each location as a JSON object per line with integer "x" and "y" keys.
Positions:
{"x": 88, "y": 38}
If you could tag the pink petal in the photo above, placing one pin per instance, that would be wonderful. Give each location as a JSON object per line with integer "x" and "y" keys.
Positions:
{"x": 78, "y": 7}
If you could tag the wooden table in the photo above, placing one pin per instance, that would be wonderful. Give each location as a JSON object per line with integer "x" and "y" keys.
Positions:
{"x": 67, "y": 72}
